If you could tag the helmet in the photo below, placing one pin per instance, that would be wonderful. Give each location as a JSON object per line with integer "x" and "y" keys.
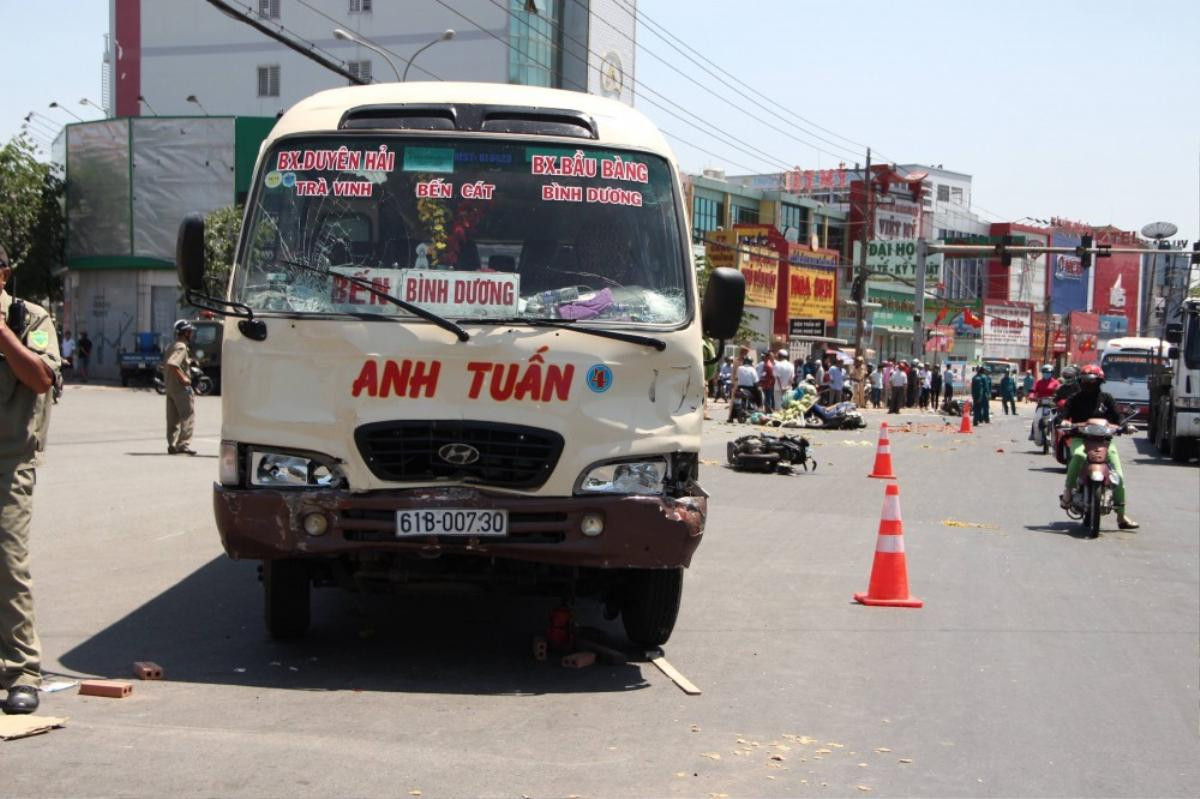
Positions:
{"x": 781, "y": 354}
{"x": 1070, "y": 374}
{"x": 183, "y": 326}
{"x": 1047, "y": 369}
{"x": 1091, "y": 374}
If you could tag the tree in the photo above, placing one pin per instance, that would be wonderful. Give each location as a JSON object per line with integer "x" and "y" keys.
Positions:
{"x": 221, "y": 229}
{"x": 32, "y": 225}
{"x": 745, "y": 334}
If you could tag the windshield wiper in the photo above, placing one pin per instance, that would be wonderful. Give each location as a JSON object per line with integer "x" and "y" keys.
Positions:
{"x": 416, "y": 310}
{"x": 534, "y": 321}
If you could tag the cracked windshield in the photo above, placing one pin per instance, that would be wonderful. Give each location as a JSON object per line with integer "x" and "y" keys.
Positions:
{"x": 468, "y": 230}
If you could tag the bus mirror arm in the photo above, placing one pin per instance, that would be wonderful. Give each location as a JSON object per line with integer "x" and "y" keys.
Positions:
{"x": 250, "y": 326}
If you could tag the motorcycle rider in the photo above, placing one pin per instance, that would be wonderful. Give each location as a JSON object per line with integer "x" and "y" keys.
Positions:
{"x": 1043, "y": 388}
{"x": 1069, "y": 385}
{"x": 1089, "y": 402}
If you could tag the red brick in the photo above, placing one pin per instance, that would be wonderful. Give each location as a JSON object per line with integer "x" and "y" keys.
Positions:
{"x": 113, "y": 689}
{"x": 147, "y": 670}
{"x": 579, "y": 660}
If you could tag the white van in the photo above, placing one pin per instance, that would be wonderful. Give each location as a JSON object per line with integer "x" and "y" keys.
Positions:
{"x": 464, "y": 345}
{"x": 1127, "y": 363}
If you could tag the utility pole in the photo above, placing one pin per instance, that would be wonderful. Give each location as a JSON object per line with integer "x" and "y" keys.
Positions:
{"x": 919, "y": 301}
{"x": 860, "y": 299}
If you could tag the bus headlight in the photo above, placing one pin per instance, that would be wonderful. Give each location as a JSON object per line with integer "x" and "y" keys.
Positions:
{"x": 642, "y": 477}
{"x": 287, "y": 470}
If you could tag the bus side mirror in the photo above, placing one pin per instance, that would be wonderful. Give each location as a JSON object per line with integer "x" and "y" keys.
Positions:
{"x": 189, "y": 252}
{"x": 1174, "y": 333}
{"x": 1172, "y": 353}
{"x": 723, "y": 300}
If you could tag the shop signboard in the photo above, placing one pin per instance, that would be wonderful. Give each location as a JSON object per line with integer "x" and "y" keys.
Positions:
{"x": 965, "y": 317}
{"x": 1083, "y": 337}
{"x": 760, "y": 266}
{"x": 811, "y": 292}
{"x": 898, "y": 259}
{"x": 1118, "y": 285}
{"x": 1007, "y": 328}
{"x": 1112, "y": 325}
{"x": 941, "y": 339}
{"x": 895, "y": 310}
{"x": 1068, "y": 278}
{"x": 806, "y": 328}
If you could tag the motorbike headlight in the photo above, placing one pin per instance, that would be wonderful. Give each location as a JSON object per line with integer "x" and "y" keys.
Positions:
{"x": 286, "y": 470}
{"x": 643, "y": 477}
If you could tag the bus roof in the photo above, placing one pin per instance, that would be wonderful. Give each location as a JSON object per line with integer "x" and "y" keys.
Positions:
{"x": 616, "y": 123}
{"x": 1133, "y": 343}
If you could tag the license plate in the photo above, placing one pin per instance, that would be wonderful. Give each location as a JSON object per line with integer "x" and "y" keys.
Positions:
{"x": 466, "y": 522}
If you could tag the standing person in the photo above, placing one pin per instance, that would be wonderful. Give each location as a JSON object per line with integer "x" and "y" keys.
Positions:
{"x": 926, "y": 386}
{"x": 876, "y": 377}
{"x": 29, "y": 368}
{"x": 68, "y": 349}
{"x": 819, "y": 373}
{"x": 766, "y": 380}
{"x": 181, "y": 411}
{"x": 948, "y": 386}
{"x": 935, "y": 388}
{"x": 897, "y": 386}
{"x": 859, "y": 375}
{"x": 837, "y": 381}
{"x": 981, "y": 396}
{"x": 83, "y": 356}
{"x": 785, "y": 374}
{"x": 1008, "y": 393}
{"x": 1028, "y": 385}
{"x": 810, "y": 367}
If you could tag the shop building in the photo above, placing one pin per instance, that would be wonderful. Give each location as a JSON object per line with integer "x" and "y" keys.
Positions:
{"x": 129, "y": 183}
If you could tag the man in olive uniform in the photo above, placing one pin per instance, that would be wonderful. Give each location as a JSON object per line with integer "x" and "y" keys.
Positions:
{"x": 1008, "y": 393}
{"x": 177, "y": 377}
{"x": 981, "y": 396}
{"x": 29, "y": 368}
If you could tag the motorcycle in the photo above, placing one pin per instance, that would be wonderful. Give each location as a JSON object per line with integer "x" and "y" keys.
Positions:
{"x": 1092, "y": 495}
{"x": 1043, "y": 424}
{"x": 746, "y": 401}
{"x": 843, "y": 416}
{"x": 202, "y": 384}
{"x": 767, "y": 453}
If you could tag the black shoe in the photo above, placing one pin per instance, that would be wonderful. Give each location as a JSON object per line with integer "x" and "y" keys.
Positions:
{"x": 21, "y": 699}
{"x": 185, "y": 450}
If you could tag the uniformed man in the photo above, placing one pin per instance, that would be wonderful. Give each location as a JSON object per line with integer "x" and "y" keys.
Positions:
{"x": 1008, "y": 393}
{"x": 981, "y": 396}
{"x": 177, "y": 378}
{"x": 29, "y": 368}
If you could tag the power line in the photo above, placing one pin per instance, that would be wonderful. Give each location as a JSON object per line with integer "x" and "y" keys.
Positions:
{"x": 666, "y": 36}
{"x": 714, "y": 93}
{"x": 726, "y": 139}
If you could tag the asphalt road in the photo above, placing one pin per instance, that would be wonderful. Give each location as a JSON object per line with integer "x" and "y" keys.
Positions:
{"x": 1042, "y": 664}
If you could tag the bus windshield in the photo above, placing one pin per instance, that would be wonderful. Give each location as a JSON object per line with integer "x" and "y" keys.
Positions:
{"x": 468, "y": 229}
{"x": 1133, "y": 366}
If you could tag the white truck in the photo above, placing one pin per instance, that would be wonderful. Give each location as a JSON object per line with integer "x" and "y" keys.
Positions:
{"x": 1175, "y": 388}
{"x": 463, "y": 345}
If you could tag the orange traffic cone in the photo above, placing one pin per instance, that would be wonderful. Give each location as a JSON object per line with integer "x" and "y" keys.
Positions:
{"x": 889, "y": 574}
{"x": 883, "y": 456}
{"x": 965, "y": 425}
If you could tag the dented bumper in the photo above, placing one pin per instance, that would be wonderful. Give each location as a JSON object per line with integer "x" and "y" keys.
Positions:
{"x": 639, "y": 532}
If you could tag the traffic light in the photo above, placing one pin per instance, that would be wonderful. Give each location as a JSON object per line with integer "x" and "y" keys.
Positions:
{"x": 1084, "y": 251}
{"x": 858, "y": 288}
{"x": 1002, "y": 250}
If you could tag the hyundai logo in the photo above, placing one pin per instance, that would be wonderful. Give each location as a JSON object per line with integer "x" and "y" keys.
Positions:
{"x": 459, "y": 454}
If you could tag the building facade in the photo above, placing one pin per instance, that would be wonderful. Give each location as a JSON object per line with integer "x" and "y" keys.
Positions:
{"x": 167, "y": 51}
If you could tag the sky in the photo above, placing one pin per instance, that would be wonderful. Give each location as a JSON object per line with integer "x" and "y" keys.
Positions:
{"x": 1084, "y": 109}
